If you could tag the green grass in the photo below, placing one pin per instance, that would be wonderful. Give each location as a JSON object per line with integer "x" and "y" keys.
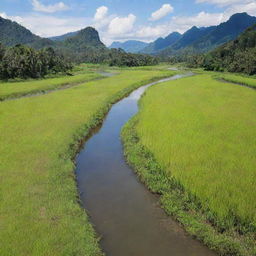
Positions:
{"x": 239, "y": 79}
{"x": 201, "y": 132}
{"x": 17, "y": 89}
{"x": 40, "y": 212}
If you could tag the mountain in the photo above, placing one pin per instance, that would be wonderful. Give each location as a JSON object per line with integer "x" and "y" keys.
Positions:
{"x": 197, "y": 40}
{"x": 191, "y": 36}
{"x": 63, "y": 37}
{"x": 226, "y": 31}
{"x": 161, "y": 43}
{"x": 132, "y": 46}
{"x": 238, "y": 55}
{"x": 11, "y": 33}
{"x": 84, "y": 39}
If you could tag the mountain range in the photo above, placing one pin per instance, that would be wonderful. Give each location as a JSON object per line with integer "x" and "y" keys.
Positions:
{"x": 197, "y": 39}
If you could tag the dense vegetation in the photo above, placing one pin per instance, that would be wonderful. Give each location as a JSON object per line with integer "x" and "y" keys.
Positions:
{"x": 25, "y": 62}
{"x": 238, "y": 55}
{"x": 202, "y": 134}
{"x": 39, "y": 213}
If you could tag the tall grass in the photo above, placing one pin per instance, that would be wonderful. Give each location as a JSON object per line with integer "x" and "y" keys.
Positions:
{"x": 40, "y": 212}
{"x": 202, "y": 133}
{"x": 239, "y": 79}
{"x": 17, "y": 89}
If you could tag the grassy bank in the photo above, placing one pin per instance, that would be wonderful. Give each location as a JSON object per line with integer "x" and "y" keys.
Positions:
{"x": 193, "y": 141}
{"x": 17, "y": 89}
{"x": 40, "y": 213}
{"x": 238, "y": 79}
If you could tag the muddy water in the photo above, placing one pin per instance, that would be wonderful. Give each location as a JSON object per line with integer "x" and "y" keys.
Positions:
{"x": 125, "y": 214}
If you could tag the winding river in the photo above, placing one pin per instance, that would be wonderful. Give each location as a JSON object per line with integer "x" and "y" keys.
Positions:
{"x": 125, "y": 214}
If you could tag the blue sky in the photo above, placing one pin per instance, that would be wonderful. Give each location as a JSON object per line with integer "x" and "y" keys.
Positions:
{"x": 121, "y": 20}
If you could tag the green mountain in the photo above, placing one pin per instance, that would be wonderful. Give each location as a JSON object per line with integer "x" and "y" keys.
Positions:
{"x": 197, "y": 40}
{"x": 63, "y": 37}
{"x": 226, "y": 31}
{"x": 161, "y": 43}
{"x": 191, "y": 36}
{"x": 132, "y": 46}
{"x": 238, "y": 55}
{"x": 84, "y": 39}
{"x": 11, "y": 33}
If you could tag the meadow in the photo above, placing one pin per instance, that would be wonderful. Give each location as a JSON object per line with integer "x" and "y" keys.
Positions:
{"x": 193, "y": 141}
{"x": 40, "y": 211}
{"x": 10, "y": 90}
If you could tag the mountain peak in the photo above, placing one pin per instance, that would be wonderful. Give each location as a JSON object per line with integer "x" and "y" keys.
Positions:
{"x": 239, "y": 15}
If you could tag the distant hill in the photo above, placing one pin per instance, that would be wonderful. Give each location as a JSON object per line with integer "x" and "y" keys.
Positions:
{"x": 161, "y": 43}
{"x": 132, "y": 46}
{"x": 238, "y": 55}
{"x": 11, "y": 33}
{"x": 63, "y": 37}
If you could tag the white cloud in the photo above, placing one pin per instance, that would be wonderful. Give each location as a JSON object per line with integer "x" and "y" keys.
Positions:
{"x": 101, "y": 13}
{"x": 3, "y": 15}
{"x": 162, "y": 12}
{"x": 46, "y": 25}
{"x": 37, "y": 6}
{"x": 202, "y": 19}
{"x": 249, "y": 7}
{"x": 121, "y": 25}
{"x": 152, "y": 32}
{"x": 101, "y": 17}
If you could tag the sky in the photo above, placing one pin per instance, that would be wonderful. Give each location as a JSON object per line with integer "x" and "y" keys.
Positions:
{"x": 121, "y": 20}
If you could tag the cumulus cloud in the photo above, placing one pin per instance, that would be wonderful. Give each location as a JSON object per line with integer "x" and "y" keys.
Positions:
{"x": 151, "y": 32}
{"x": 162, "y": 12}
{"x": 101, "y": 13}
{"x": 37, "y": 6}
{"x": 101, "y": 17}
{"x": 121, "y": 25}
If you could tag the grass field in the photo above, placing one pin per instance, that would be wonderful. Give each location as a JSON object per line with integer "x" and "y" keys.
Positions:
{"x": 17, "y": 89}
{"x": 243, "y": 80}
{"x": 40, "y": 213}
{"x": 202, "y": 134}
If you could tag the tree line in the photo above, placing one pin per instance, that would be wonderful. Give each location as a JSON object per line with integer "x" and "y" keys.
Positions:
{"x": 21, "y": 61}
{"x": 238, "y": 55}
